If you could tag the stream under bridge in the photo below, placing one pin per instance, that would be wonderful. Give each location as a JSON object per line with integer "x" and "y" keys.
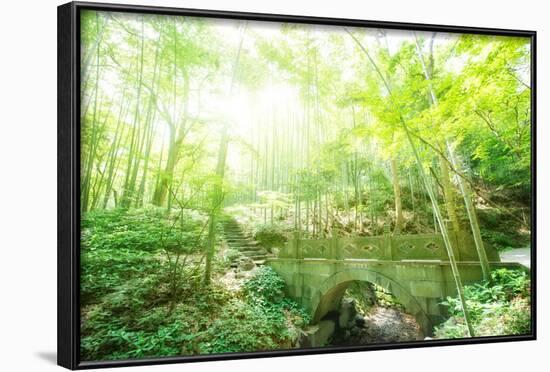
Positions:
{"x": 414, "y": 268}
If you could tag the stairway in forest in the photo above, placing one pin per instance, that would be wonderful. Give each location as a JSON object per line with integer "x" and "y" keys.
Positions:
{"x": 243, "y": 242}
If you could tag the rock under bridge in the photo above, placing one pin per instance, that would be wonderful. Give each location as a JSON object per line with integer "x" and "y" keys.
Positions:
{"x": 414, "y": 268}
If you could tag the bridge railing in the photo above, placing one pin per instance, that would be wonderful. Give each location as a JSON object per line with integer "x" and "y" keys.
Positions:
{"x": 384, "y": 247}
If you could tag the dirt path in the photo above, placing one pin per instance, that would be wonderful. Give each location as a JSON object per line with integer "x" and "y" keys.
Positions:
{"x": 521, "y": 255}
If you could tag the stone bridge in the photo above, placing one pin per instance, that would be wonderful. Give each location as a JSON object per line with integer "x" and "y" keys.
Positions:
{"x": 414, "y": 268}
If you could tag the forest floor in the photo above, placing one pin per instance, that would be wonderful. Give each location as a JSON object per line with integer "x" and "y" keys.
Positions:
{"x": 385, "y": 324}
{"x": 381, "y": 325}
{"x": 134, "y": 306}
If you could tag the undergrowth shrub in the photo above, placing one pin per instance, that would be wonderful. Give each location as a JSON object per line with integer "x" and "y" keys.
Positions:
{"x": 136, "y": 320}
{"x": 270, "y": 235}
{"x": 118, "y": 245}
{"x": 502, "y": 307}
{"x": 264, "y": 319}
{"x": 146, "y": 229}
{"x": 134, "y": 306}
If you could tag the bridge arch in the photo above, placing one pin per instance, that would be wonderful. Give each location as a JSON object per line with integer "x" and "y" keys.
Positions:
{"x": 329, "y": 294}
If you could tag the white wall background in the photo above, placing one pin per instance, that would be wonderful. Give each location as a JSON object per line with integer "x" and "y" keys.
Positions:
{"x": 28, "y": 183}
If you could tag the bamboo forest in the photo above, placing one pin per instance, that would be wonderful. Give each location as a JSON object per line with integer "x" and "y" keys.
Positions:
{"x": 250, "y": 186}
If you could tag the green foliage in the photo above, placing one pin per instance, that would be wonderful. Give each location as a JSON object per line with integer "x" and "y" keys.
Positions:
{"x": 148, "y": 229}
{"x": 316, "y": 118}
{"x": 501, "y": 307}
{"x": 274, "y": 199}
{"x": 502, "y": 230}
{"x": 105, "y": 338}
{"x": 380, "y": 195}
{"x": 133, "y": 317}
{"x": 243, "y": 327}
{"x": 118, "y": 246}
{"x": 231, "y": 254}
{"x": 137, "y": 319}
{"x": 264, "y": 320}
{"x": 104, "y": 270}
{"x": 499, "y": 240}
{"x": 386, "y": 299}
{"x": 265, "y": 287}
{"x": 120, "y": 326}
{"x": 270, "y": 235}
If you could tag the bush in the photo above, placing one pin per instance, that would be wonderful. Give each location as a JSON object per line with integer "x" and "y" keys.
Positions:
{"x": 150, "y": 333}
{"x": 133, "y": 306}
{"x": 119, "y": 245}
{"x": 498, "y": 308}
{"x": 270, "y": 235}
{"x": 266, "y": 286}
{"x": 266, "y": 290}
{"x": 137, "y": 321}
{"x": 240, "y": 328}
{"x": 120, "y": 342}
{"x": 231, "y": 254}
{"x": 102, "y": 271}
{"x": 264, "y": 320}
{"x": 127, "y": 299}
{"x": 147, "y": 229}
{"x": 499, "y": 240}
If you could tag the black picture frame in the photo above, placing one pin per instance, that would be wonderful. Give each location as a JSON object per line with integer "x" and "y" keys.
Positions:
{"x": 68, "y": 253}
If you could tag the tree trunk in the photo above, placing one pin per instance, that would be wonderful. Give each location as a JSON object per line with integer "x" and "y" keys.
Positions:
{"x": 133, "y": 163}
{"x": 428, "y": 186}
{"x": 112, "y": 162}
{"x": 397, "y": 196}
{"x": 484, "y": 262}
{"x": 217, "y": 200}
{"x": 87, "y": 165}
{"x": 449, "y": 194}
{"x": 472, "y": 216}
{"x": 177, "y": 131}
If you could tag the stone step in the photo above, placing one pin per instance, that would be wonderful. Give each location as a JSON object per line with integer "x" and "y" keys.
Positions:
{"x": 231, "y": 227}
{"x": 246, "y": 243}
{"x": 248, "y": 253}
{"x": 258, "y": 261}
{"x": 242, "y": 241}
{"x": 253, "y": 248}
{"x": 258, "y": 257}
{"x": 251, "y": 242}
{"x": 239, "y": 235}
{"x": 237, "y": 240}
{"x": 247, "y": 247}
{"x": 252, "y": 253}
